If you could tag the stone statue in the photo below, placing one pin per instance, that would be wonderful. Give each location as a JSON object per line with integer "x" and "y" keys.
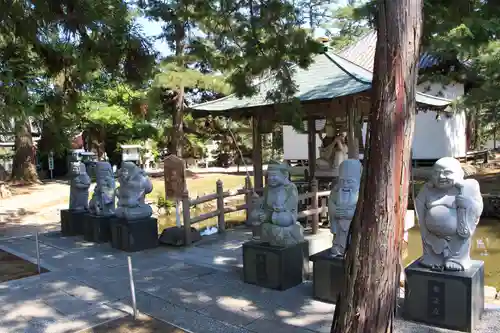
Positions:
{"x": 342, "y": 203}
{"x": 332, "y": 154}
{"x": 134, "y": 185}
{"x": 278, "y": 213}
{"x": 103, "y": 198}
{"x": 79, "y": 190}
{"x": 448, "y": 209}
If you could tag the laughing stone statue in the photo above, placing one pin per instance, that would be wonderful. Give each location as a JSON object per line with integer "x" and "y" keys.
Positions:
{"x": 448, "y": 209}
{"x": 134, "y": 185}
{"x": 79, "y": 191}
{"x": 342, "y": 203}
{"x": 278, "y": 213}
{"x": 103, "y": 198}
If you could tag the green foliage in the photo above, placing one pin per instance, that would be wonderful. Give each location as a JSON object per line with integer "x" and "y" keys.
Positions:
{"x": 165, "y": 204}
{"x": 347, "y": 25}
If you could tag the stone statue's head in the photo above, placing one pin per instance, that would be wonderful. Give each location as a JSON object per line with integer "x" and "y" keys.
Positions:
{"x": 76, "y": 168}
{"x": 277, "y": 174}
{"x": 127, "y": 171}
{"x": 103, "y": 169}
{"x": 350, "y": 174}
{"x": 446, "y": 173}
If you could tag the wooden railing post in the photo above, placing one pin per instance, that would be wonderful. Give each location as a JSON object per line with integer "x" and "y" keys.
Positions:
{"x": 314, "y": 205}
{"x": 220, "y": 207}
{"x": 186, "y": 217}
{"x": 248, "y": 197}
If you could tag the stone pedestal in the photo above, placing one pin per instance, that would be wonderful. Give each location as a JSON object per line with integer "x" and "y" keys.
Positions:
{"x": 136, "y": 235}
{"x": 328, "y": 276}
{"x": 72, "y": 222}
{"x": 97, "y": 228}
{"x": 274, "y": 267}
{"x": 452, "y": 300}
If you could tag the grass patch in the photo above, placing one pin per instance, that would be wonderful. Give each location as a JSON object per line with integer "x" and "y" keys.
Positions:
{"x": 200, "y": 185}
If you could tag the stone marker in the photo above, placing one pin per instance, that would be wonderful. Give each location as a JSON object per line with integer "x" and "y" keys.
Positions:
{"x": 72, "y": 218}
{"x": 133, "y": 229}
{"x": 328, "y": 265}
{"x": 278, "y": 259}
{"x": 445, "y": 281}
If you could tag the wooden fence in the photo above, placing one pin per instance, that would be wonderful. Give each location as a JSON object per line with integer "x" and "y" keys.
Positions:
{"x": 309, "y": 200}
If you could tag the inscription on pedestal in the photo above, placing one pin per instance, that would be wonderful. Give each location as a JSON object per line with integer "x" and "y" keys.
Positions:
{"x": 274, "y": 267}
{"x": 451, "y": 300}
{"x": 261, "y": 268}
{"x": 436, "y": 300}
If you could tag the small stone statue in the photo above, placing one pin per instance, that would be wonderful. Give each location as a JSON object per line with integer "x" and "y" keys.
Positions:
{"x": 448, "y": 209}
{"x": 103, "y": 198}
{"x": 134, "y": 185}
{"x": 342, "y": 203}
{"x": 79, "y": 190}
{"x": 278, "y": 213}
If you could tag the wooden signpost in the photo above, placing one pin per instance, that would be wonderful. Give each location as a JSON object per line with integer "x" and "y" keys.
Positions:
{"x": 175, "y": 182}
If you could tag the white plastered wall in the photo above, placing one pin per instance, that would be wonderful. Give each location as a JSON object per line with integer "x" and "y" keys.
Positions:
{"x": 435, "y": 138}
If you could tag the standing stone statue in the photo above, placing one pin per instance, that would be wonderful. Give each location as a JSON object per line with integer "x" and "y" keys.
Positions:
{"x": 103, "y": 198}
{"x": 278, "y": 213}
{"x": 79, "y": 190}
{"x": 342, "y": 203}
{"x": 448, "y": 209}
{"x": 131, "y": 194}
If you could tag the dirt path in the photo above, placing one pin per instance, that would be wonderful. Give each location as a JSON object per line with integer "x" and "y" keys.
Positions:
{"x": 33, "y": 208}
{"x": 143, "y": 324}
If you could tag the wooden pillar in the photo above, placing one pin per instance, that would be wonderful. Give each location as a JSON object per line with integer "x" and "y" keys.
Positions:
{"x": 257, "y": 153}
{"x": 311, "y": 143}
{"x": 352, "y": 140}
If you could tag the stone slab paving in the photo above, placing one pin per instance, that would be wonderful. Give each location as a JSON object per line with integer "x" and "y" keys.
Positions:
{"x": 199, "y": 289}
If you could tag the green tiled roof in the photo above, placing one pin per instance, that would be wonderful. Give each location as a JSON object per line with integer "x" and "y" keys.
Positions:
{"x": 328, "y": 77}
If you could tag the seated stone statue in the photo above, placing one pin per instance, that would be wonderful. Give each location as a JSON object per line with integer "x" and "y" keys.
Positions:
{"x": 333, "y": 154}
{"x": 342, "y": 203}
{"x": 448, "y": 209}
{"x": 131, "y": 194}
{"x": 103, "y": 198}
{"x": 278, "y": 213}
{"x": 79, "y": 190}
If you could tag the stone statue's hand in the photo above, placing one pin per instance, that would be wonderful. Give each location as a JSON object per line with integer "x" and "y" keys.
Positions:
{"x": 262, "y": 217}
{"x": 463, "y": 202}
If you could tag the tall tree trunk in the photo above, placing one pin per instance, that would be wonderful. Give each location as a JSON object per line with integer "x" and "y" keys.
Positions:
{"x": 24, "y": 164}
{"x": 175, "y": 146}
{"x": 367, "y": 302}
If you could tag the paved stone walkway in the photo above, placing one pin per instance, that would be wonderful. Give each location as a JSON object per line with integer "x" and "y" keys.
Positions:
{"x": 199, "y": 289}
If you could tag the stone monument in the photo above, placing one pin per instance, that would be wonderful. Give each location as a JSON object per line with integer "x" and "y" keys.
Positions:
{"x": 277, "y": 259}
{"x": 448, "y": 209}
{"x": 328, "y": 265}
{"x": 101, "y": 205}
{"x": 72, "y": 218}
{"x": 133, "y": 229}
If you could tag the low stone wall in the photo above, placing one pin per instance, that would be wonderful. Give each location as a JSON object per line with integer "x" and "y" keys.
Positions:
{"x": 491, "y": 204}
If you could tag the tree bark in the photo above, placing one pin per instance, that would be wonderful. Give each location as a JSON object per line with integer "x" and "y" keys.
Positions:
{"x": 24, "y": 164}
{"x": 176, "y": 138}
{"x": 367, "y": 302}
